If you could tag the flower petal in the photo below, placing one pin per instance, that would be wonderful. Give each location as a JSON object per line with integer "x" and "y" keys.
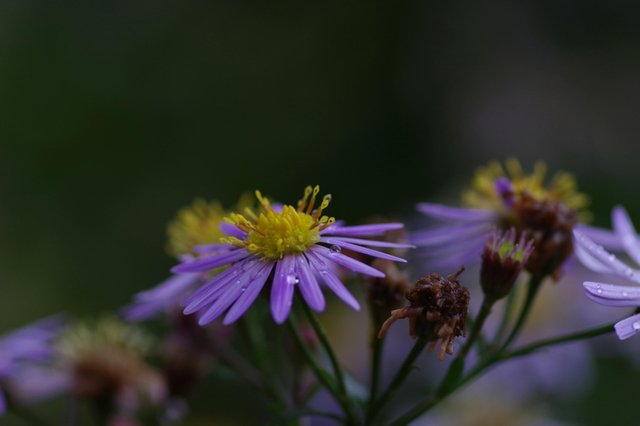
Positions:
{"x": 362, "y": 230}
{"x": 211, "y": 262}
{"x": 308, "y": 285}
{"x": 332, "y": 281}
{"x": 374, "y": 243}
{"x": 606, "y": 258}
{"x": 441, "y": 212}
{"x": 364, "y": 250}
{"x": 450, "y": 233}
{"x": 604, "y": 237}
{"x": 611, "y": 294}
{"x": 628, "y": 327}
{"x": 249, "y": 295}
{"x": 346, "y": 261}
{"x": 626, "y": 232}
{"x": 284, "y": 282}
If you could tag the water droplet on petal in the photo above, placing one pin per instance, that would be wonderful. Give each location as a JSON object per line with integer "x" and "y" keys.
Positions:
{"x": 292, "y": 279}
{"x": 625, "y": 294}
{"x": 599, "y": 290}
{"x": 335, "y": 249}
{"x": 636, "y": 325}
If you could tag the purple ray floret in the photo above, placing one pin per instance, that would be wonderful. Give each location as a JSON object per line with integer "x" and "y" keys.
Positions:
{"x": 27, "y": 346}
{"x": 595, "y": 257}
{"x": 270, "y": 251}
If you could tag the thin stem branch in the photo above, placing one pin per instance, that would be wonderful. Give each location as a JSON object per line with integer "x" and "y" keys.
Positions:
{"x": 321, "y": 374}
{"x": 532, "y": 291}
{"x": 422, "y": 407}
{"x": 399, "y": 378}
{"x": 483, "y": 314}
{"x": 377, "y": 347}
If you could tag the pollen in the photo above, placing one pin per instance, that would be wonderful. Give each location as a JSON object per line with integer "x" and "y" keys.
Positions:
{"x": 561, "y": 188}
{"x": 273, "y": 233}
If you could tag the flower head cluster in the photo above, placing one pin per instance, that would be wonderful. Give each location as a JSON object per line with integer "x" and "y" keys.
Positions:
{"x": 598, "y": 259}
{"x": 288, "y": 247}
{"x": 105, "y": 361}
{"x": 437, "y": 311}
{"x": 547, "y": 213}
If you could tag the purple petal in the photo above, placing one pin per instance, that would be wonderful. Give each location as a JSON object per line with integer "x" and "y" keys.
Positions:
{"x": 332, "y": 281}
{"x": 446, "y": 234}
{"x": 284, "y": 282}
{"x": 628, "y": 327}
{"x": 624, "y": 229}
{"x": 441, "y": 212}
{"x": 604, "y": 237}
{"x": 589, "y": 261}
{"x": 346, "y": 261}
{"x": 374, "y": 243}
{"x": 162, "y": 297}
{"x": 247, "y": 298}
{"x": 611, "y": 294}
{"x": 362, "y": 230}
{"x": 212, "y": 289}
{"x": 308, "y": 285}
{"x": 606, "y": 258}
{"x": 212, "y": 248}
{"x": 232, "y": 230}
{"x": 359, "y": 249}
{"x": 231, "y": 293}
{"x": 211, "y": 262}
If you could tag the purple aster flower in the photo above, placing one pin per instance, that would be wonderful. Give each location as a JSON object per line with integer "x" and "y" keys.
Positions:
{"x": 194, "y": 232}
{"x": 499, "y": 199}
{"x": 595, "y": 257}
{"x": 288, "y": 247}
{"x": 27, "y": 346}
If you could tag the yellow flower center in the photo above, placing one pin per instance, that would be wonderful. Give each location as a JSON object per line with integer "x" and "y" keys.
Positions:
{"x": 483, "y": 193}
{"x": 273, "y": 234}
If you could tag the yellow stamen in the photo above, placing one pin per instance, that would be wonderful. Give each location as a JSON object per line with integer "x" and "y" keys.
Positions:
{"x": 273, "y": 234}
{"x": 562, "y": 187}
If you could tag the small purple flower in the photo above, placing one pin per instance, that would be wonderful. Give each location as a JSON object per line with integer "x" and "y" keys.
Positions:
{"x": 27, "y": 346}
{"x": 499, "y": 199}
{"x": 287, "y": 247}
{"x": 595, "y": 257}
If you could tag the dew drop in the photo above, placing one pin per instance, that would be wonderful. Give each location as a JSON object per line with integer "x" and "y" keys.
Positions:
{"x": 625, "y": 294}
{"x": 599, "y": 291}
{"x": 636, "y": 325}
{"x": 611, "y": 258}
{"x": 292, "y": 279}
{"x": 335, "y": 249}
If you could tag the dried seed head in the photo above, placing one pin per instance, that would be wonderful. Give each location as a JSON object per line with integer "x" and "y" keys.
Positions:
{"x": 437, "y": 311}
{"x": 549, "y": 224}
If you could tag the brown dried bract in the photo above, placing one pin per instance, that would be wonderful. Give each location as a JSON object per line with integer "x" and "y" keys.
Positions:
{"x": 437, "y": 311}
{"x": 549, "y": 224}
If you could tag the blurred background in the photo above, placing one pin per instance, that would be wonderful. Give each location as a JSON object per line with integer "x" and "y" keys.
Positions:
{"x": 113, "y": 115}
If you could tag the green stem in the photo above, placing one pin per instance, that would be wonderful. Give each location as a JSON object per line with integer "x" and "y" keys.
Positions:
{"x": 321, "y": 374}
{"x": 483, "y": 314}
{"x": 399, "y": 378}
{"x": 337, "y": 369}
{"x": 376, "y": 360}
{"x": 532, "y": 291}
{"x": 422, "y": 407}
{"x": 506, "y": 317}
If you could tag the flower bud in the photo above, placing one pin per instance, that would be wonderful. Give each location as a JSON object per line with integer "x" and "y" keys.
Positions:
{"x": 502, "y": 261}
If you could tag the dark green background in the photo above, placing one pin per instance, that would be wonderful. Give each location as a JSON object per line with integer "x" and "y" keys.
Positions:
{"x": 115, "y": 114}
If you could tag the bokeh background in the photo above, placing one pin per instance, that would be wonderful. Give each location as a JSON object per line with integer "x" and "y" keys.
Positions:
{"x": 115, "y": 114}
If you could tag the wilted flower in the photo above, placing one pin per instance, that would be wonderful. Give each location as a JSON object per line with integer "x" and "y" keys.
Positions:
{"x": 547, "y": 213}
{"x": 595, "y": 257}
{"x": 105, "y": 361}
{"x": 292, "y": 245}
{"x": 25, "y": 347}
{"x": 437, "y": 311}
{"x": 503, "y": 259}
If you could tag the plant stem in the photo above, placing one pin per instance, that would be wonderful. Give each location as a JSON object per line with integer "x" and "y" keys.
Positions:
{"x": 321, "y": 374}
{"x": 399, "y": 378}
{"x": 532, "y": 291}
{"x": 376, "y": 360}
{"x": 483, "y": 314}
{"x": 506, "y": 317}
{"x": 422, "y": 407}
